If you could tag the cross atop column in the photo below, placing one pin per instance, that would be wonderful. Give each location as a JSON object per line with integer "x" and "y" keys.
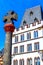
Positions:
{"x": 10, "y": 16}
{"x": 8, "y": 19}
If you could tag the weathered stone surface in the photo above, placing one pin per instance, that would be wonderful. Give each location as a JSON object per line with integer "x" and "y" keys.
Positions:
{"x": 8, "y": 19}
{"x": 7, "y": 50}
{"x": 11, "y": 15}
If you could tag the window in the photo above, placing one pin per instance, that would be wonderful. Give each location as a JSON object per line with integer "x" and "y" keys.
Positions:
{"x": 15, "y": 62}
{"x": 36, "y": 20}
{"x": 29, "y": 61}
{"x": 17, "y": 29}
{"x": 29, "y": 47}
{"x": 24, "y": 22}
{"x": 42, "y": 56}
{"x": 36, "y": 46}
{"x": 22, "y": 48}
{"x": 37, "y": 61}
{"x": 28, "y": 36}
{"x": 31, "y": 13}
{"x": 22, "y": 62}
{"x": 16, "y": 39}
{"x": 22, "y": 37}
{"x": 35, "y": 34}
{"x": 15, "y": 49}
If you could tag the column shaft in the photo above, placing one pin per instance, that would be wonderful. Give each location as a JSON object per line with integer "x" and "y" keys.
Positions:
{"x": 7, "y": 49}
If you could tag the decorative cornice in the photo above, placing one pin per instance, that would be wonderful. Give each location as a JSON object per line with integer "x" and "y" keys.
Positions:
{"x": 39, "y": 28}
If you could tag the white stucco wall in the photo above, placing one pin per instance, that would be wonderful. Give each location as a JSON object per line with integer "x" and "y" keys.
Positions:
{"x": 31, "y": 41}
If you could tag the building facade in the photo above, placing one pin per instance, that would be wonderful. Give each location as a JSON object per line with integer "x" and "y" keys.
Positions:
{"x": 27, "y": 44}
{"x": 1, "y": 60}
{"x": 1, "y": 56}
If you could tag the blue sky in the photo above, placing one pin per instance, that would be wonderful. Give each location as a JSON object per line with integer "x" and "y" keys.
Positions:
{"x": 19, "y": 6}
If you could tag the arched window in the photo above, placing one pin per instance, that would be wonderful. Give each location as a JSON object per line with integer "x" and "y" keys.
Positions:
{"x": 15, "y": 62}
{"x": 21, "y": 62}
{"x": 29, "y": 61}
{"x": 42, "y": 56}
{"x": 36, "y": 20}
{"x": 37, "y": 61}
{"x": 31, "y": 13}
{"x": 24, "y": 22}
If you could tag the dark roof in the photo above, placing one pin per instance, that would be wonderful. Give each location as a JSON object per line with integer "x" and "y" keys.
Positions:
{"x": 32, "y": 13}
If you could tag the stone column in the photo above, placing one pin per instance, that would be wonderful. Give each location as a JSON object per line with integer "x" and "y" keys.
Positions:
{"x": 9, "y": 28}
{"x": 7, "y": 50}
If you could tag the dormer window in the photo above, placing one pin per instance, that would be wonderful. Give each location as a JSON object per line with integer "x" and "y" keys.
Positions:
{"x": 36, "y": 20}
{"x": 31, "y": 13}
{"x": 24, "y": 22}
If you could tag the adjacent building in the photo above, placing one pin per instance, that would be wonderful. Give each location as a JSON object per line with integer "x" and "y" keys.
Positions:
{"x": 1, "y": 60}
{"x": 1, "y": 56}
{"x": 27, "y": 41}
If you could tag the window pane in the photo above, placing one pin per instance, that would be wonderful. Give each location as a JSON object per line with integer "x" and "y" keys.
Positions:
{"x": 16, "y": 62}
{"x": 22, "y": 48}
{"x": 28, "y": 36}
{"x": 29, "y": 47}
{"x": 22, "y": 62}
{"x": 15, "y": 49}
{"x": 22, "y": 37}
{"x": 29, "y": 61}
{"x": 35, "y": 34}
{"x": 37, "y": 61}
{"x": 42, "y": 55}
{"x": 36, "y": 46}
{"x": 16, "y": 39}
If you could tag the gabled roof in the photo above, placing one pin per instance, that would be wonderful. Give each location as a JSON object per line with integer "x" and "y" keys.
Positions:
{"x": 31, "y": 14}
